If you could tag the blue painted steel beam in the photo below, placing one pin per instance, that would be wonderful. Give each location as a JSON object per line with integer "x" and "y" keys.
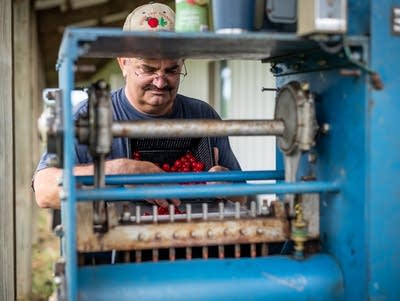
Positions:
{"x": 266, "y": 278}
{"x": 163, "y": 178}
{"x": 202, "y": 191}
{"x": 383, "y": 194}
{"x": 67, "y": 57}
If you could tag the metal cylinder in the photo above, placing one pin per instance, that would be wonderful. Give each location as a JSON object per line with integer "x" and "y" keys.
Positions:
{"x": 163, "y": 178}
{"x": 202, "y": 191}
{"x": 265, "y": 278}
{"x": 197, "y": 128}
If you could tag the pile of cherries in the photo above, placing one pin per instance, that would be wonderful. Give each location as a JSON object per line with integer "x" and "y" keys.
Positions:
{"x": 186, "y": 163}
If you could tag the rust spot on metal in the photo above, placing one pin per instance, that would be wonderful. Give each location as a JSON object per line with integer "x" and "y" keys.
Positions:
{"x": 376, "y": 81}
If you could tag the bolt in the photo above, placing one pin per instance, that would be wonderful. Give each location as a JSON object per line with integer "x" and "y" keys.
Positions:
{"x": 305, "y": 86}
{"x": 227, "y": 232}
{"x": 325, "y": 128}
{"x": 158, "y": 236}
{"x": 59, "y": 230}
{"x": 312, "y": 157}
{"x": 260, "y": 231}
{"x": 57, "y": 280}
{"x": 194, "y": 234}
{"x": 126, "y": 216}
{"x": 210, "y": 233}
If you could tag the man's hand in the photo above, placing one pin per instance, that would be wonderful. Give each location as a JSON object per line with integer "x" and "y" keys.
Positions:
{"x": 129, "y": 166}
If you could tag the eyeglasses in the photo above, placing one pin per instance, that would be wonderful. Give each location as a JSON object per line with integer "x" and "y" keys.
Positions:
{"x": 148, "y": 73}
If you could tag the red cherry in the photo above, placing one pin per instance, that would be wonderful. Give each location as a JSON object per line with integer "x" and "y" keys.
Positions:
{"x": 153, "y": 22}
{"x": 166, "y": 167}
{"x": 200, "y": 166}
{"x": 137, "y": 155}
{"x": 162, "y": 210}
{"x": 177, "y": 211}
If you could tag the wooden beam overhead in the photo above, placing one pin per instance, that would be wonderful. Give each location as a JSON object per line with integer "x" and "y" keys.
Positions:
{"x": 53, "y": 18}
{"x": 59, "y": 14}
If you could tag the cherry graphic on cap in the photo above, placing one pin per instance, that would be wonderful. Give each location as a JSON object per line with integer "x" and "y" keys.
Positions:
{"x": 153, "y": 22}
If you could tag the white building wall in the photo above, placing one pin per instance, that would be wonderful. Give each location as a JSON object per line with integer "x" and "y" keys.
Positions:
{"x": 248, "y": 102}
{"x": 196, "y": 84}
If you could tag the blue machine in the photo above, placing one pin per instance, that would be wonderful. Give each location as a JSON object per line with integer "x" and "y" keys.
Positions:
{"x": 351, "y": 158}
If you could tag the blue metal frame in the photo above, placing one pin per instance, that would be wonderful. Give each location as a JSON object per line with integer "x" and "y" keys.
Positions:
{"x": 359, "y": 156}
{"x": 383, "y": 168}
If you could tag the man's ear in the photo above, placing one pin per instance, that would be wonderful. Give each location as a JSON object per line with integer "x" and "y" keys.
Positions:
{"x": 123, "y": 62}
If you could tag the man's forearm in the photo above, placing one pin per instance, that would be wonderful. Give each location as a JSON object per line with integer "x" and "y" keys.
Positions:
{"x": 46, "y": 181}
{"x": 47, "y": 188}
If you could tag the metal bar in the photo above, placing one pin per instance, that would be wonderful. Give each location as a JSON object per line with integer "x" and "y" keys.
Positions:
{"x": 203, "y": 191}
{"x": 138, "y": 256}
{"x": 264, "y": 278}
{"x": 205, "y": 217}
{"x": 188, "y": 219}
{"x": 171, "y": 210}
{"x": 197, "y": 128}
{"x": 99, "y": 208}
{"x": 181, "y": 217}
{"x": 111, "y": 42}
{"x": 163, "y": 178}
{"x": 237, "y": 216}
{"x": 68, "y": 197}
{"x": 264, "y": 249}
{"x": 253, "y": 250}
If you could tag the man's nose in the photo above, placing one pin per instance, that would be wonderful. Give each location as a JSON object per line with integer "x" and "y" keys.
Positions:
{"x": 160, "y": 81}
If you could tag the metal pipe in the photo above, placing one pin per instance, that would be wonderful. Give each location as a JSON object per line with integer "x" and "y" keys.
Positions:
{"x": 197, "y": 128}
{"x": 202, "y": 191}
{"x": 264, "y": 278}
{"x": 187, "y": 177}
{"x": 68, "y": 209}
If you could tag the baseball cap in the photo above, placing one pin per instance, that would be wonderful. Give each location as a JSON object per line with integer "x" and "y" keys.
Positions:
{"x": 150, "y": 17}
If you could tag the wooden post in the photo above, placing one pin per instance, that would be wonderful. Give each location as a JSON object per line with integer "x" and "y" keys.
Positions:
{"x": 7, "y": 217}
{"x": 23, "y": 108}
{"x": 38, "y": 84}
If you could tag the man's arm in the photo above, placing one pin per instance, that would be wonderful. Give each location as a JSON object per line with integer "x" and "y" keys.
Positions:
{"x": 45, "y": 182}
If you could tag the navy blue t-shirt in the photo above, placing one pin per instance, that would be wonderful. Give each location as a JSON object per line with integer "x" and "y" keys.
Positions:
{"x": 184, "y": 108}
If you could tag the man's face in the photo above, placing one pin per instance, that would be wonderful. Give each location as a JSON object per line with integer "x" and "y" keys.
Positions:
{"x": 151, "y": 85}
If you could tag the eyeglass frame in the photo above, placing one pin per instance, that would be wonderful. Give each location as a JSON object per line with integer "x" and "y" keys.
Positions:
{"x": 154, "y": 75}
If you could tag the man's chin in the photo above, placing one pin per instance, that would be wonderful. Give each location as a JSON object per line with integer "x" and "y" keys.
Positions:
{"x": 159, "y": 107}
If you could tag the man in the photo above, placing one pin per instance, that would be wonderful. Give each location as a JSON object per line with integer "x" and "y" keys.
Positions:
{"x": 150, "y": 92}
